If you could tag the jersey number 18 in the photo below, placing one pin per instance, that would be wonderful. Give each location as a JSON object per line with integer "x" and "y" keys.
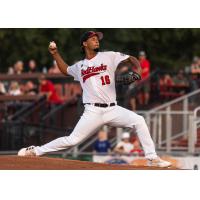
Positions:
{"x": 105, "y": 80}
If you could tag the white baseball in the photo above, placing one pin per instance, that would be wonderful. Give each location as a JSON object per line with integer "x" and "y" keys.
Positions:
{"x": 52, "y": 45}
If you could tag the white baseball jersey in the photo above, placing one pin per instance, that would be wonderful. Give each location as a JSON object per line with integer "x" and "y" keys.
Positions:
{"x": 97, "y": 76}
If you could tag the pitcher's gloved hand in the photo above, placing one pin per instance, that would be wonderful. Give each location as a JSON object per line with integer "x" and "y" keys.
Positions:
{"x": 127, "y": 78}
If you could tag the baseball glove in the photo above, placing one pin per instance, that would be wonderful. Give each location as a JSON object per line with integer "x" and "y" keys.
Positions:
{"x": 127, "y": 78}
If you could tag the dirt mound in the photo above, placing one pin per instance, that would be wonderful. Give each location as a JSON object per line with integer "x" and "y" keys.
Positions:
{"x": 45, "y": 163}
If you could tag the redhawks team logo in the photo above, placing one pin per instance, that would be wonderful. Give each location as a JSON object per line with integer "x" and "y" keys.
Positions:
{"x": 92, "y": 71}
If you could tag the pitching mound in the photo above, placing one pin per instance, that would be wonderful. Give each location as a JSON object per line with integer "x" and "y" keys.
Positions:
{"x": 45, "y": 163}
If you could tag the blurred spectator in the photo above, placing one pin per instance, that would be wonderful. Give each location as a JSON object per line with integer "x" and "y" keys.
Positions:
{"x": 54, "y": 69}
{"x": 124, "y": 146}
{"x": 165, "y": 81}
{"x": 32, "y": 66}
{"x": 18, "y": 67}
{"x": 181, "y": 82}
{"x": 194, "y": 82}
{"x": 195, "y": 61}
{"x": 30, "y": 88}
{"x": 180, "y": 78}
{"x": 10, "y": 70}
{"x": 14, "y": 89}
{"x": 168, "y": 80}
{"x": 195, "y": 66}
{"x": 2, "y": 89}
{"x": 47, "y": 88}
{"x": 22, "y": 88}
{"x": 198, "y": 62}
{"x": 137, "y": 148}
{"x": 143, "y": 96}
{"x": 102, "y": 145}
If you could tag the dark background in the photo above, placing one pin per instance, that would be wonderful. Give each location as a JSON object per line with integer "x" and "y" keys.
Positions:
{"x": 165, "y": 48}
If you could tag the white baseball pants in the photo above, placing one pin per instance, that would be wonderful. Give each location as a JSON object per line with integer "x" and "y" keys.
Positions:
{"x": 95, "y": 117}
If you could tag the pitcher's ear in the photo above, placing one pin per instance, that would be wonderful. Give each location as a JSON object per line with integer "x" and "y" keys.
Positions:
{"x": 84, "y": 44}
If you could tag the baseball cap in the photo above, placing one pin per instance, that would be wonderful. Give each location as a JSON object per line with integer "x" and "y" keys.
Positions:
{"x": 142, "y": 53}
{"x": 90, "y": 34}
{"x": 126, "y": 135}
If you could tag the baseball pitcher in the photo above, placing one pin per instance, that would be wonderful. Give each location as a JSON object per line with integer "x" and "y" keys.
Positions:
{"x": 96, "y": 74}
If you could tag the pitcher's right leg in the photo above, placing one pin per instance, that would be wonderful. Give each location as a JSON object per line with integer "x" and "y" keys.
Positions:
{"x": 87, "y": 125}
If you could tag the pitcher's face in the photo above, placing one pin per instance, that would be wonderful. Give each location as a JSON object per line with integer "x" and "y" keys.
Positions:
{"x": 92, "y": 43}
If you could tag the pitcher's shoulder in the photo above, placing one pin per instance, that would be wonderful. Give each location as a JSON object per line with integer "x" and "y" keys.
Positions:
{"x": 107, "y": 53}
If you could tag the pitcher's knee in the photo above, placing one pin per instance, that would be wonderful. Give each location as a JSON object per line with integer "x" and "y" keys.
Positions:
{"x": 140, "y": 120}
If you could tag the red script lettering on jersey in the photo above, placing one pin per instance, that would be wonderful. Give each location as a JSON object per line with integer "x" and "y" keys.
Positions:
{"x": 92, "y": 71}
